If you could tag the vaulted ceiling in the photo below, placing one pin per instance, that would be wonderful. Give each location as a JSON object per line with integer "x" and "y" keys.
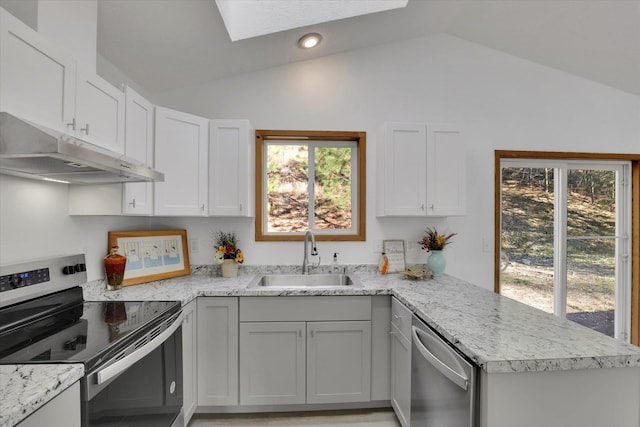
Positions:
{"x": 168, "y": 44}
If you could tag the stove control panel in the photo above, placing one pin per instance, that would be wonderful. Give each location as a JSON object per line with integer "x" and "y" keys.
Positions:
{"x": 24, "y": 278}
{"x": 31, "y": 279}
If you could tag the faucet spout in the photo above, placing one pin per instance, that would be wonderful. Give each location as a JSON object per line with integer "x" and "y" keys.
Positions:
{"x": 314, "y": 251}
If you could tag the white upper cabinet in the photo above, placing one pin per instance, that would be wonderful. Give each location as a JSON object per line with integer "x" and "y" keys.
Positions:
{"x": 138, "y": 196}
{"x": 37, "y": 78}
{"x": 230, "y": 168}
{"x": 402, "y": 155}
{"x": 43, "y": 83}
{"x": 421, "y": 170}
{"x": 100, "y": 111}
{"x": 446, "y": 171}
{"x": 181, "y": 153}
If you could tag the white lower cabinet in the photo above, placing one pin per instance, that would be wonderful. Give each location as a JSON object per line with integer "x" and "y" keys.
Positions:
{"x": 217, "y": 335}
{"x": 401, "y": 361}
{"x": 297, "y": 350}
{"x": 338, "y": 362}
{"x": 272, "y": 363}
{"x": 62, "y": 411}
{"x": 189, "y": 361}
{"x": 400, "y": 375}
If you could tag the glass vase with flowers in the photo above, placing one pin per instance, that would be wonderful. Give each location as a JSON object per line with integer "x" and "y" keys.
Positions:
{"x": 434, "y": 243}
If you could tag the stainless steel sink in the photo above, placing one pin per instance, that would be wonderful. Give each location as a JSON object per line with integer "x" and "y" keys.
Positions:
{"x": 302, "y": 281}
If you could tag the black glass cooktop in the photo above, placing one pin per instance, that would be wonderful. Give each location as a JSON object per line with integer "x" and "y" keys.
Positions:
{"x": 61, "y": 328}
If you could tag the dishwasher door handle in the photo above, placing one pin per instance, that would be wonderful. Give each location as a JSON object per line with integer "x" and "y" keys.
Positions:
{"x": 459, "y": 380}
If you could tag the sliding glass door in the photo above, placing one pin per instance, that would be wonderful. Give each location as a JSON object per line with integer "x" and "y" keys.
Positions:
{"x": 565, "y": 240}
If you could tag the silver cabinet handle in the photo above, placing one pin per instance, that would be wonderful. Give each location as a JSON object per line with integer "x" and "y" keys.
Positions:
{"x": 300, "y": 333}
{"x": 432, "y": 206}
{"x": 133, "y": 203}
{"x": 72, "y": 124}
{"x": 459, "y": 380}
{"x": 85, "y": 129}
{"x": 422, "y": 207}
{"x": 123, "y": 364}
{"x": 240, "y": 207}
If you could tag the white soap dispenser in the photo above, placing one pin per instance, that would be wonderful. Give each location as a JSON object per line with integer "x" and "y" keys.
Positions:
{"x": 335, "y": 267}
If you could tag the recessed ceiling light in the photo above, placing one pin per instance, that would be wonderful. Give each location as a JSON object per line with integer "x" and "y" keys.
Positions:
{"x": 309, "y": 40}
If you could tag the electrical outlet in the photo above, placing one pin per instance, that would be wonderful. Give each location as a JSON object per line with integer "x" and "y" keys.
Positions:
{"x": 486, "y": 244}
{"x": 194, "y": 245}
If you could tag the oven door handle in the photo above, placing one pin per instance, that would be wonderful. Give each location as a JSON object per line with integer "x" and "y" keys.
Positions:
{"x": 123, "y": 364}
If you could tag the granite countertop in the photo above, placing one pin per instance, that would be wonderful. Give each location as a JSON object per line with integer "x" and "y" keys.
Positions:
{"x": 499, "y": 334}
{"x": 25, "y": 388}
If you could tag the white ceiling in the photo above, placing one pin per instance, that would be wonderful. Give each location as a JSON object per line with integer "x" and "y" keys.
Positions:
{"x": 168, "y": 44}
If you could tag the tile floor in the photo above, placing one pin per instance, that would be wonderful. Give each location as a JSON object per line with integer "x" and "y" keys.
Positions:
{"x": 358, "y": 418}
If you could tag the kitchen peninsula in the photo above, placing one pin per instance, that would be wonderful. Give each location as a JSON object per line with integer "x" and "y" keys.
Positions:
{"x": 524, "y": 354}
{"x": 535, "y": 366}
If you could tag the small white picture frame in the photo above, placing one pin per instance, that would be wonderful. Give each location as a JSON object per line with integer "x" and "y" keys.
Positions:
{"x": 394, "y": 250}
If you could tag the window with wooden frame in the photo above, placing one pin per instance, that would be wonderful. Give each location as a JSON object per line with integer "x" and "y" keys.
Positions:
{"x": 310, "y": 180}
{"x": 574, "y": 217}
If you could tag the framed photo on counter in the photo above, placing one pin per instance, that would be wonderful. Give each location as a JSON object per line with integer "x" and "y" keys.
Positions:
{"x": 394, "y": 249}
{"x": 152, "y": 255}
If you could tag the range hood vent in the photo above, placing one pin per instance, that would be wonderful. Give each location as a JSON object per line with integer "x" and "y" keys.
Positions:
{"x": 32, "y": 151}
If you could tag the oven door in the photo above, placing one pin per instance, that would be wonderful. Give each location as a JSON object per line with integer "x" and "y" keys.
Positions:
{"x": 141, "y": 385}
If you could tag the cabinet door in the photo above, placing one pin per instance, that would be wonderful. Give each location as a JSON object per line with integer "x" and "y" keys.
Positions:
{"x": 99, "y": 111}
{"x": 62, "y": 411}
{"x": 138, "y": 196}
{"x": 189, "y": 361}
{"x": 37, "y": 78}
{"x": 446, "y": 171}
{"x": 338, "y": 362}
{"x": 230, "y": 145}
{"x": 217, "y": 372}
{"x": 400, "y": 376}
{"x": 272, "y": 363}
{"x": 181, "y": 154}
{"x": 402, "y": 160}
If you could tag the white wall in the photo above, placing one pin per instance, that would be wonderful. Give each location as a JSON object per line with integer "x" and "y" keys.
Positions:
{"x": 501, "y": 101}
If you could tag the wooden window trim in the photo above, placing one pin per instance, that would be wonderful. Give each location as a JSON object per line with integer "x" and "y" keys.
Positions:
{"x": 305, "y": 135}
{"x": 635, "y": 217}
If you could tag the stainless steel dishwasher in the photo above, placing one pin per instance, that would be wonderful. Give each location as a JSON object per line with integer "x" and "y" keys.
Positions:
{"x": 444, "y": 385}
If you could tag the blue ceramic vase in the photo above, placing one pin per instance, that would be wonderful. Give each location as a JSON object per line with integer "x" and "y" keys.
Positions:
{"x": 436, "y": 263}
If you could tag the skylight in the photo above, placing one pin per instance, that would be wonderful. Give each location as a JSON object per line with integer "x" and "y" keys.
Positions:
{"x": 251, "y": 18}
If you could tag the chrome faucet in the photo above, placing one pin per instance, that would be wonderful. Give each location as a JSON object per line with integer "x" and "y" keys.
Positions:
{"x": 314, "y": 251}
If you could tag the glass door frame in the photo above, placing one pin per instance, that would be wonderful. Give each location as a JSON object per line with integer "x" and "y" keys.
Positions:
{"x": 627, "y": 299}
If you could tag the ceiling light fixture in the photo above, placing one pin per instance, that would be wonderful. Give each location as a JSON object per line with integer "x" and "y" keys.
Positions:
{"x": 309, "y": 40}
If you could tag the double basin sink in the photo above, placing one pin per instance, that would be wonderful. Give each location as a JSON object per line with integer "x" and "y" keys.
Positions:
{"x": 304, "y": 281}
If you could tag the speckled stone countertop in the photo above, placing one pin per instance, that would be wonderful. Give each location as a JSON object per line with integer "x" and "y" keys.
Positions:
{"x": 499, "y": 334}
{"x": 25, "y": 388}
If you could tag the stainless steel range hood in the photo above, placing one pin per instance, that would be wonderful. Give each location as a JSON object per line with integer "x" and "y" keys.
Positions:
{"x": 31, "y": 151}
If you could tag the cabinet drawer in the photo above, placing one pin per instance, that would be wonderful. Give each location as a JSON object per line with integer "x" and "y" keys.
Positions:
{"x": 401, "y": 317}
{"x": 305, "y": 308}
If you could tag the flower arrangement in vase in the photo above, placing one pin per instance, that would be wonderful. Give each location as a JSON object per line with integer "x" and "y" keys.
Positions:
{"x": 434, "y": 243}
{"x": 228, "y": 254}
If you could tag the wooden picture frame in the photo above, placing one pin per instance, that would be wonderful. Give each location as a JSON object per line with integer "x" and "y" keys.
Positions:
{"x": 394, "y": 250}
{"x": 152, "y": 254}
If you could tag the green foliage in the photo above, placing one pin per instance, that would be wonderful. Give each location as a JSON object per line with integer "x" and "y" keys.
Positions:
{"x": 333, "y": 174}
